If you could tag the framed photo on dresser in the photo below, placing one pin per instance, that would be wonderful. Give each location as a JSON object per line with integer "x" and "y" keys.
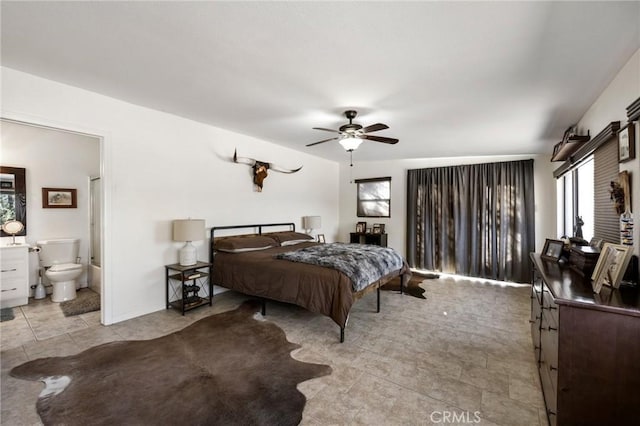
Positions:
{"x": 552, "y": 249}
{"x": 611, "y": 266}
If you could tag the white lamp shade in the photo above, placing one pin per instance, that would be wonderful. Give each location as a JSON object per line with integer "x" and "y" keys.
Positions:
{"x": 350, "y": 143}
{"x": 311, "y": 222}
{"x": 188, "y": 230}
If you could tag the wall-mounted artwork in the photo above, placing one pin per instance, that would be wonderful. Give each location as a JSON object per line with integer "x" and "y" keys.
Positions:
{"x": 59, "y": 198}
{"x": 626, "y": 144}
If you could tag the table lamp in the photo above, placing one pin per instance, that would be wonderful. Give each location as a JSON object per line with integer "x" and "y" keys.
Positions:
{"x": 188, "y": 230}
{"x": 309, "y": 223}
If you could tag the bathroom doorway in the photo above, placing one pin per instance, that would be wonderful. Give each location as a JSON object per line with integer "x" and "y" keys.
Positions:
{"x": 52, "y": 157}
{"x": 95, "y": 227}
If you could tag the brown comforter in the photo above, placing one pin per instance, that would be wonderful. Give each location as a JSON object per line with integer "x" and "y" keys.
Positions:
{"x": 315, "y": 288}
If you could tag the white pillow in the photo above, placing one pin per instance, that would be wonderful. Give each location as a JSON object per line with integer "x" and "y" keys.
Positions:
{"x": 243, "y": 250}
{"x": 292, "y": 242}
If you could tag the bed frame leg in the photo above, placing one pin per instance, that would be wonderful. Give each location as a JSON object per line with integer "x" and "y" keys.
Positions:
{"x": 402, "y": 283}
{"x": 264, "y": 306}
{"x": 378, "y": 307}
{"x": 341, "y": 334}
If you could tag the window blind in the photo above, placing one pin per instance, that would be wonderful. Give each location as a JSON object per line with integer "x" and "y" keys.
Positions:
{"x": 607, "y": 221}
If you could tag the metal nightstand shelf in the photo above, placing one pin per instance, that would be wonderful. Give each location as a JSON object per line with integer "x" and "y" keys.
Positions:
{"x": 184, "y": 295}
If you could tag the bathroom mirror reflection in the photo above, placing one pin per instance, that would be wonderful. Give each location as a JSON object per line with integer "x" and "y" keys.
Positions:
{"x": 13, "y": 197}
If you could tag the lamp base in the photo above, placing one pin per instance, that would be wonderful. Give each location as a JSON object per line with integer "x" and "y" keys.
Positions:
{"x": 188, "y": 255}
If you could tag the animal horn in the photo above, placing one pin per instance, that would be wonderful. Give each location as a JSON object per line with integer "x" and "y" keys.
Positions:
{"x": 243, "y": 160}
{"x": 282, "y": 169}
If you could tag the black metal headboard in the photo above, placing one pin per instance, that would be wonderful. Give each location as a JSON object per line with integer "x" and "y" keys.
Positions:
{"x": 259, "y": 227}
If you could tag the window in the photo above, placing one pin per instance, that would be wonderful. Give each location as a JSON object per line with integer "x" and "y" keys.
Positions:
{"x": 575, "y": 197}
{"x": 374, "y": 197}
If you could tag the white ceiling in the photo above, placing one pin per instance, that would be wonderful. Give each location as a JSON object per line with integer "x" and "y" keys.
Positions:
{"x": 449, "y": 78}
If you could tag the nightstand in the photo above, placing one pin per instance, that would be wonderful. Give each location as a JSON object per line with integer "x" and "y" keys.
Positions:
{"x": 368, "y": 238}
{"x": 188, "y": 287}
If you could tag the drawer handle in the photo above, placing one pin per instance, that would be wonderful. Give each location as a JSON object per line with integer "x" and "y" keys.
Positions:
{"x": 552, "y": 368}
{"x": 551, "y": 328}
{"x": 551, "y": 413}
{"x": 551, "y": 308}
{"x": 11, "y": 289}
{"x": 8, "y": 270}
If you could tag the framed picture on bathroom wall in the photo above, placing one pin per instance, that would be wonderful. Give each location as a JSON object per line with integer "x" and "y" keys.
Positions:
{"x": 59, "y": 198}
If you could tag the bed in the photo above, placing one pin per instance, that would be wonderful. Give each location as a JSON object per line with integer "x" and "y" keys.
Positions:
{"x": 249, "y": 263}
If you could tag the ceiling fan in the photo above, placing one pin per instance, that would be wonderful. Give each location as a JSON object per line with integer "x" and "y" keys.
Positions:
{"x": 351, "y": 135}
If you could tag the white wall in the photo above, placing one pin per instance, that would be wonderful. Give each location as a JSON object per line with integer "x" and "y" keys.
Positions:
{"x": 158, "y": 167}
{"x": 611, "y": 106}
{"x": 396, "y": 225}
{"x": 53, "y": 159}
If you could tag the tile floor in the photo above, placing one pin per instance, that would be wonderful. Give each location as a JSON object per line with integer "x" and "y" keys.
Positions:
{"x": 464, "y": 354}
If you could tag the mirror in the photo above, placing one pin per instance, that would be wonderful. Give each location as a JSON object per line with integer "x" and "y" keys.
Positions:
{"x": 13, "y": 197}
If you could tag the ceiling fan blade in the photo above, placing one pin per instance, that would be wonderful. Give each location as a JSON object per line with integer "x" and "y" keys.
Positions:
{"x": 379, "y": 139}
{"x": 326, "y": 130}
{"x": 375, "y": 128}
{"x": 322, "y": 141}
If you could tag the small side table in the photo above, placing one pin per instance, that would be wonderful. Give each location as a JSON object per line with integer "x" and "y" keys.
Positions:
{"x": 186, "y": 284}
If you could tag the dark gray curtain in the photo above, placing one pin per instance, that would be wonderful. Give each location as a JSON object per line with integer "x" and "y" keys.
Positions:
{"x": 475, "y": 220}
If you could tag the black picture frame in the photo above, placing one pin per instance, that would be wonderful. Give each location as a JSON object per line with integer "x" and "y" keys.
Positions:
{"x": 626, "y": 144}
{"x": 378, "y": 228}
{"x": 552, "y": 249}
{"x": 361, "y": 227}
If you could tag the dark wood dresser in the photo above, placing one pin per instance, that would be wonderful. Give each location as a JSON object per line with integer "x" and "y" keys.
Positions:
{"x": 587, "y": 347}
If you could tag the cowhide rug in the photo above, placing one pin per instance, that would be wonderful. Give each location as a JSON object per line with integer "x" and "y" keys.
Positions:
{"x": 227, "y": 369}
{"x": 412, "y": 288}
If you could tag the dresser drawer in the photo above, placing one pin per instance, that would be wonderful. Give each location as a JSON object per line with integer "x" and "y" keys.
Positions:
{"x": 549, "y": 308}
{"x": 549, "y": 388}
{"x": 536, "y": 318}
{"x": 14, "y": 276}
{"x": 13, "y": 294}
{"x": 12, "y": 289}
{"x": 13, "y": 254}
{"x": 11, "y": 269}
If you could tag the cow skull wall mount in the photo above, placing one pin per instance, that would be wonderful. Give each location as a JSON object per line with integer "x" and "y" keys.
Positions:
{"x": 260, "y": 168}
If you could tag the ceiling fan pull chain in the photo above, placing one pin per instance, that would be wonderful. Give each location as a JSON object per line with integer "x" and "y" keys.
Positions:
{"x": 351, "y": 167}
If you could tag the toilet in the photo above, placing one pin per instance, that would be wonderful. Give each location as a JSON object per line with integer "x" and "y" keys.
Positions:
{"x": 58, "y": 260}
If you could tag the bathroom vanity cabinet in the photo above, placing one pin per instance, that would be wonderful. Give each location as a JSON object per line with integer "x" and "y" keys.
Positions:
{"x": 14, "y": 275}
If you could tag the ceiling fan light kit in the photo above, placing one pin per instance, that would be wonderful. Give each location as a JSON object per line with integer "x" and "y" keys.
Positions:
{"x": 351, "y": 135}
{"x": 349, "y": 143}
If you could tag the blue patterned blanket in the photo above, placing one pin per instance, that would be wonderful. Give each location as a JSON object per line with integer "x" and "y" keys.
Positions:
{"x": 364, "y": 264}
